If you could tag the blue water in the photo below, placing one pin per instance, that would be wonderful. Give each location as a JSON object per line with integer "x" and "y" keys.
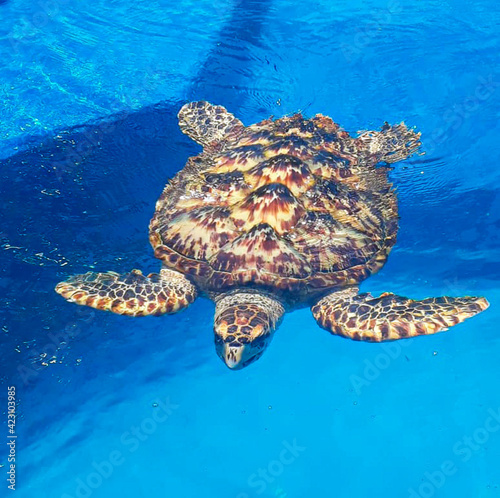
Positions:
{"x": 112, "y": 406}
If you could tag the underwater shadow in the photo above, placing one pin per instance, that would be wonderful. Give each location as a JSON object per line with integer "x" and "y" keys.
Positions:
{"x": 84, "y": 197}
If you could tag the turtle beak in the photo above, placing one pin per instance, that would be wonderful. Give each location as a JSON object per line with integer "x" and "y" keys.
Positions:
{"x": 236, "y": 355}
{"x": 233, "y": 356}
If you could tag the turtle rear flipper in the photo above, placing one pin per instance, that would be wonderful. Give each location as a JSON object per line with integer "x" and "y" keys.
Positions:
{"x": 391, "y": 144}
{"x": 390, "y": 317}
{"x": 132, "y": 294}
{"x": 206, "y": 123}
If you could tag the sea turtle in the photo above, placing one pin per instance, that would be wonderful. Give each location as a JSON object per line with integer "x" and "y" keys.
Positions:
{"x": 271, "y": 217}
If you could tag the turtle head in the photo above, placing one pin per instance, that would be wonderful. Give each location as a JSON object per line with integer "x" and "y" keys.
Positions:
{"x": 244, "y": 326}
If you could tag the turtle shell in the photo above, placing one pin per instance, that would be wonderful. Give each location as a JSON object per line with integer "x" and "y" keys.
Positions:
{"x": 291, "y": 205}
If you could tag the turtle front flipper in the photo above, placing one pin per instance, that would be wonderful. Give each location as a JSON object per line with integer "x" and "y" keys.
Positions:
{"x": 389, "y": 317}
{"x": 244, "y": 326}
{"x": 132, "y": 294}
{"x": 206, "y": 123}
{"x": 391, "y": 144}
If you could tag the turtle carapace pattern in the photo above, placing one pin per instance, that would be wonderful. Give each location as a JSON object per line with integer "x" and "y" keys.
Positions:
{"x": 272, "y": 217}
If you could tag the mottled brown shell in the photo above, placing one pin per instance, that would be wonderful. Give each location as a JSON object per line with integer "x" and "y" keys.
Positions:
{"x": 294, "y": 205}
